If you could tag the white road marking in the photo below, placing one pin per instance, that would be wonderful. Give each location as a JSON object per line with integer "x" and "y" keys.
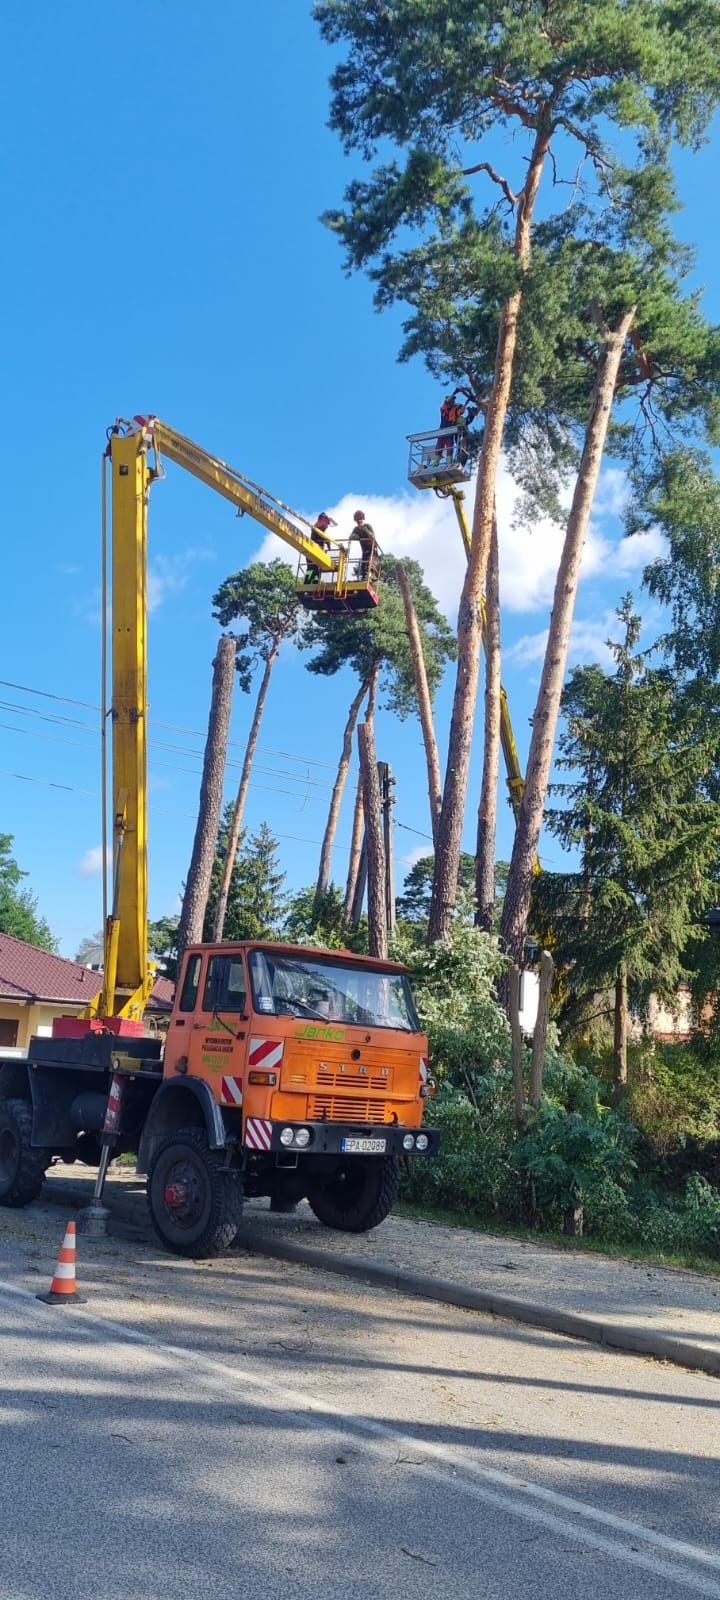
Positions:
{"x": 468, "y": 1477}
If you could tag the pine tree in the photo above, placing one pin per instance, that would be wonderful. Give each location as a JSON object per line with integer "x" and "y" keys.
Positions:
{"x": 377, "y": 649}
{"x": 636, "y": 809}
{"x": 256, "y": 902}
{"x": 488, "y": 96}
{"x": 264, "y": 597}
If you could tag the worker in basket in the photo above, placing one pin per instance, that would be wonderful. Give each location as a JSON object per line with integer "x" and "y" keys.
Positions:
{"x": 452, "y": 415}
{"x": 319, "y": 534}
{"x": 367, "y": 568}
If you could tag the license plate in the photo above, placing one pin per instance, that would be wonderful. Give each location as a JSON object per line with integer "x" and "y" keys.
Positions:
{"x": 364, "y": 1147}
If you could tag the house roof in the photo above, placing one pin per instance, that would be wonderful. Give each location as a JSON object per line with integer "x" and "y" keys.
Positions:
{"x": 163, "y": 994}
{"x": 28, "y": 974}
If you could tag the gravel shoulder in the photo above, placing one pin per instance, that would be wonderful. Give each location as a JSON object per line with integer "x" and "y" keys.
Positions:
{"x": 627, "y": 1304}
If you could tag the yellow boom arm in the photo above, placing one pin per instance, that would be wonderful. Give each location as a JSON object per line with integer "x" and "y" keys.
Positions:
{"x": 128, "y": 978}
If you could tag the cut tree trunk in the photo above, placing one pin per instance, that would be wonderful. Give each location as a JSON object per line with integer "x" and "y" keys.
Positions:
{"x": 620, "y": 1037}
{"x": 323, "y": 878}
{"x": 211, "y": 790}
{"x": 424, "y": 699}
{"x": 527, "y": 834}
{"x": 377, "y": 911}
{"x": 353, "y": 887}
{"x": 239, "y": 808}
{"x": 452, "y": 814}
{"x": 487, "y": 812}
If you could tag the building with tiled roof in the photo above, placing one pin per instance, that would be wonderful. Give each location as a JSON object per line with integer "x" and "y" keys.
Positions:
{"x": 36, "y": 987}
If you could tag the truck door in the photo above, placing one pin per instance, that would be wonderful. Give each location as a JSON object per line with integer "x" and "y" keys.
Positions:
{"x": 218, "y": 1037}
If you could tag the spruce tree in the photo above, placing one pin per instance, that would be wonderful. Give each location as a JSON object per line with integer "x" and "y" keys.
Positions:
{"x": 637, "y": 810}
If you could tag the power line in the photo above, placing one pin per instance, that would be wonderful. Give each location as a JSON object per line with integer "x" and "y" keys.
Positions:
{"x": 24, "y": 777}
{"x": 171, "y": 727}
{"x": 153, "y": 744}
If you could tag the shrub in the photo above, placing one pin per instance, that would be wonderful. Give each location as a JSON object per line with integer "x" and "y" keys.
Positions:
{"x": 572, "y": 1158}
{"x": 475, "y": 1171}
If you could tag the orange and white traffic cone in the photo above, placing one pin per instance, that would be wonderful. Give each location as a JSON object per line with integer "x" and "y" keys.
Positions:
{"x": 63, "y": 1290}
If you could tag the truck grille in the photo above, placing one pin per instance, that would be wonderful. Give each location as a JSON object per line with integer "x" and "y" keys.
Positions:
{"x": 354, "y": 1080}
{"x": 344, "y": 1108}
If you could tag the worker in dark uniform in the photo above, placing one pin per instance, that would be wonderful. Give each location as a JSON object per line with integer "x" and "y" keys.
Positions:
{"x": 366, "y": 540}
{"x": 320, "y": 535}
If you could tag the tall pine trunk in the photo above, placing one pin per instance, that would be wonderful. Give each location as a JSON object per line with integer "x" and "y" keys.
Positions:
{"x": 452, "y": 815}
{"x": 425, "y": 710}
{"x": 527, "y": 834}
{"x": 487, "y": 813}
{"x": 620, "y": 1037}
{"x": 197, "y": 887}
{"x": 326, "y": 850}
{"x": 239, "y": 807}
{"x": 355, "y": 850}
{"x": 377, "y": 903}
{"x": 358, "y": 812}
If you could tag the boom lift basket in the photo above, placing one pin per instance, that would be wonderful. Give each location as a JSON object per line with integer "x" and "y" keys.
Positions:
{"x": 351, "y": 586}
{"x": 439, "y": 458}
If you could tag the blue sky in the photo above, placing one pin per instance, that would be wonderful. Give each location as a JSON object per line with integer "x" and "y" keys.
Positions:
{"x": 165, "y": 170}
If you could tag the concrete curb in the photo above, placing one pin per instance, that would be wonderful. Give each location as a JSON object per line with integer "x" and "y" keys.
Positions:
{"x": 596, "y": 1330}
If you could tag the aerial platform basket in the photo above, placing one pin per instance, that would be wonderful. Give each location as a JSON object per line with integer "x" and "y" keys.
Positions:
{"x": 439, "y": 458}
{"x": 351, "y": 585}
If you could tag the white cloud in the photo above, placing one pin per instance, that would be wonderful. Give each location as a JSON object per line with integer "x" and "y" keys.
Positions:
{"x": 168, "y": 574}
{"x": 91, "y": 864}
{"x": 588, "y": 642}
{"x": 425, "y": 528}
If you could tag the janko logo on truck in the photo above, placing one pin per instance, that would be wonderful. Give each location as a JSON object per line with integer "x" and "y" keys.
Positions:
{"x": 312, "y": 1030}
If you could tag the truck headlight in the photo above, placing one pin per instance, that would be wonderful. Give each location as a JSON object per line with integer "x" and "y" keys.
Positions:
{"x": 286, "y": 1136}
{"x": 302, "y": 1137}
{"x": 408, "y": 1142}
{"x": 422, "y": 1141}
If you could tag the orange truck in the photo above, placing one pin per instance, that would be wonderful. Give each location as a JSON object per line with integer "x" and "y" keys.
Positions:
{"x": 286, "y": 1072}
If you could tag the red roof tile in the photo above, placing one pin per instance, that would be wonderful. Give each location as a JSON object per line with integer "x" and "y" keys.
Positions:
{"x": 162, "y": 996}
{"x": 28, "y": 974}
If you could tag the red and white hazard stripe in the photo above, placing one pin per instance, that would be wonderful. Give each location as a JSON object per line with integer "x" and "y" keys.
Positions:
{"x": 423, "y": 1069}
{"x": 266, "y": 1052}
{"x": 114, "y": 1105}
{"x": 258, "y": 1133}
{"x": 231, "y": 1092}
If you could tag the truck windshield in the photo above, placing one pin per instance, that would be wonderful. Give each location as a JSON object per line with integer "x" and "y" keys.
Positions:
{"x": 331, "y": 992}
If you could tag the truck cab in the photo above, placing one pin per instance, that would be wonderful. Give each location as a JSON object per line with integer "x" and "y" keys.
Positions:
{"x": 317, "y": 1071}
{"x": 289, "y": 1073}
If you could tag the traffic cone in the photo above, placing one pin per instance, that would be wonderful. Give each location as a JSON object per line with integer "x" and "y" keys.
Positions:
{"x": 63, "y": 1290}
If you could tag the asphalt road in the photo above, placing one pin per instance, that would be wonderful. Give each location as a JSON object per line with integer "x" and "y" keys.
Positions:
{"x": 251, "y": 1429}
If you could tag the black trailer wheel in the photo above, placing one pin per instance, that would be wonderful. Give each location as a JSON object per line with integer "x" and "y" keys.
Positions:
{"x": 22, "y": 1168}
{"x": 358, "y": 1195}
{"x": 195, "y": 1201}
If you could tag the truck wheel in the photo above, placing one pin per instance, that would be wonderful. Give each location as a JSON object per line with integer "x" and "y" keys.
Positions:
{"x": 195, "y": 1201}
{"x": 358, "y": 1196}
{"x": 22, "y": 1168}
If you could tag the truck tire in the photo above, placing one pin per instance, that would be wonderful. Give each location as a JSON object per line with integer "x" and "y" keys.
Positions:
{"x": 22, "y": 1167}
{"x": 358, "y": 1196}
{"x": 195, "y": 1201}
